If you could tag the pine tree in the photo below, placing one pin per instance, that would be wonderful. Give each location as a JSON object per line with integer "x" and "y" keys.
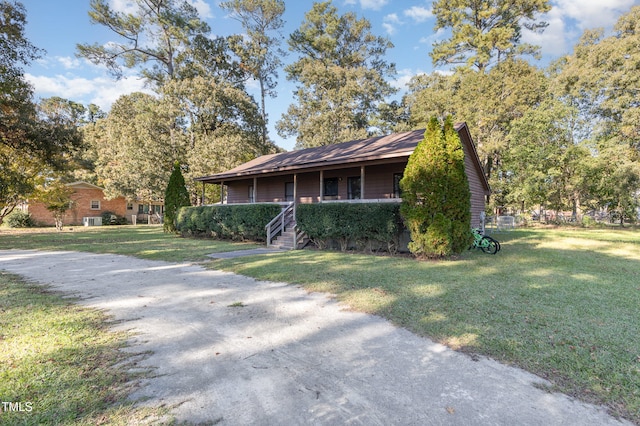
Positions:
{"x": 436, "y": 200}
{"x": 176, "y": 196}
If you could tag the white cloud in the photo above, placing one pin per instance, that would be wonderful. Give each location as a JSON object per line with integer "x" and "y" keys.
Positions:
{"x": 418, "y": 13}
{"x": 569, "y": 18}
{"x": 593, "y": 13}
{"x": 124, "y": 6}
{"x": 393, "y": 18}
{"x": 433, "y": 37}
{"x": 404, "y": 77}
{"x": 389, "y": 28}
{"x": 68, "y": 62}
{"x": 389, "y": 23}
{"x": 130, "y": 6}
{"x": 101, "y": 91}
{"x": 367, "y": 4}
{"x": 553, "y": 41}
{"x": 203, "y": 8}
{"x": 372, "y": 4}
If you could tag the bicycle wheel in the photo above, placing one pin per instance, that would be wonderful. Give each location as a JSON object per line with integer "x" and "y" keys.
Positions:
{"x": 489, "y": 245}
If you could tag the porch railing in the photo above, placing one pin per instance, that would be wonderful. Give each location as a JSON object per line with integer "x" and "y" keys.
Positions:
{"x": 365, "y": 201}
{"x": 279, "y": 223}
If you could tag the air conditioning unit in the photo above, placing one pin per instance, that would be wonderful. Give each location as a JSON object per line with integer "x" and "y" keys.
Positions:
{"x": 92, "y": 221}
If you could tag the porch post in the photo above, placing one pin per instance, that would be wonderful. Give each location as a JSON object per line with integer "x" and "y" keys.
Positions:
{"x": 321, "y": 185}
{"x": 221, "y": 192}
{"x": 295, "y": 193}
{"x": 255, "y": 189}
{"x": 202, "y": 201}
{"x": 362, "y": 182}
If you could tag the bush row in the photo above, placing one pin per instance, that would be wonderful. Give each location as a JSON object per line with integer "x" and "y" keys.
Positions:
{"x": 237, "y": 222}
{"x": 366, "y": 226}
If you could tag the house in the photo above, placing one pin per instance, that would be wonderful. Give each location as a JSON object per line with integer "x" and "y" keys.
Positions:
{"x": 88, "y": 201}
{"x": 367, "y": 170}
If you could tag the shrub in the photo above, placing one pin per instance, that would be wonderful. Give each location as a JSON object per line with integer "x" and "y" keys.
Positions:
{"x": 175, "y": 197}
{"x": 19, "y": 219}
{"x": 366, "y": 225}
{"x": 436, "y": 199}
{"x": 110, "y": 218}
{"x": 238, "y": 222}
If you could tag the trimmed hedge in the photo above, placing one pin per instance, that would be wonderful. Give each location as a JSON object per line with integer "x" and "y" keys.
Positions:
{"x": 368, "y": 226}
{"x": 237, "y": 222}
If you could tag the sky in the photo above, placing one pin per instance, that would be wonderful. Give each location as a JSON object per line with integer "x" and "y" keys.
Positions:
{"x": 58, "y": 26}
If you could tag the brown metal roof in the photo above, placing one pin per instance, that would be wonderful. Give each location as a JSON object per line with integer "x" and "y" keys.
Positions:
{"x": 396, "y": 145}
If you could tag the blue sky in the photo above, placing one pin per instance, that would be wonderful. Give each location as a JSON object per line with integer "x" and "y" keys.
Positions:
{"x": 57, "y": 26}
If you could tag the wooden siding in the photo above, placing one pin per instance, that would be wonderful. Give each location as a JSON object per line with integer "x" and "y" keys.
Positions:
{"x": 378, "y": 183}
{"x": 477, "y": 193}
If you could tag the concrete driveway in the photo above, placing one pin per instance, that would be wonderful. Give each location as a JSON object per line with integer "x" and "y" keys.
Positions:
{"x": 230, "y": 350}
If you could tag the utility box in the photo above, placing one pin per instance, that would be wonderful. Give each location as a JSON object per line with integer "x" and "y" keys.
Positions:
{"x": 92, "y": 221}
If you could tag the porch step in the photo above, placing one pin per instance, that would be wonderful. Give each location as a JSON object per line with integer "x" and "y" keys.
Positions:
{"x": 284, "y": 241}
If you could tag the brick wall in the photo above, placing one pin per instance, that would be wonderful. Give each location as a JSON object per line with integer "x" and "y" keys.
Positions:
{"x": 82, "y": 207}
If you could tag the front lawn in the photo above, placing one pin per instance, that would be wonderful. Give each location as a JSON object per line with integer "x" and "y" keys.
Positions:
{"x": 562, "y": 304}
{"x": 144, "y": 241}
{"x": 59, "y": 364}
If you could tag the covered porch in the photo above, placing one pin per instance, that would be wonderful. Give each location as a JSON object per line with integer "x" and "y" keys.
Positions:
{"x": 378, "y": 182}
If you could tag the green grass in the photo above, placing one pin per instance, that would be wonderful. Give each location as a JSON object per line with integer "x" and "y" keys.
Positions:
{"x": 560, "y": 303}
{"x": 58, "y": 361}
{"x": 147, "y": 242}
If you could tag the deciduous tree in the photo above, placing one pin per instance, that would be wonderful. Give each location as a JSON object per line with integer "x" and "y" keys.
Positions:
{"x": 135, "y": 148}
{"x": 601, "y": 77}
{"x": 31, "y": 141}
{"x": 601, "y": 80}
{"x": 56, "y": 198}
{"x": 545, "y": 165}
{"x": 488, "y": 102}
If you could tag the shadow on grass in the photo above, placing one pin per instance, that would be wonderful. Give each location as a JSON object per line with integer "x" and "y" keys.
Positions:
{"x": 60, "y": 363}
{"x": 147, "y": 242}
{"x": 559, "y": 304}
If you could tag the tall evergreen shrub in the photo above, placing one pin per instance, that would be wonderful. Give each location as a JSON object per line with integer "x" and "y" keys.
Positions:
{"x": 175, "y": 196}
{"x": 436, "y": 200}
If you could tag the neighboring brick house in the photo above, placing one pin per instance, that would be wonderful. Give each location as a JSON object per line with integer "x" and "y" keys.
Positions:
{"x": 89, "y": 201}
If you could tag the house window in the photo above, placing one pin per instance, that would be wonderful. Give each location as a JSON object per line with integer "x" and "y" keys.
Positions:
{"x": 251, "y": 194}
{"x": 95, "y": 204}
{"x": 354, "y": 188}
{"x": 331, "y": 187}
{"x": 129, "y": 206}
{"x": 397, "y": 192}
{"x": 288, "y": 191}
